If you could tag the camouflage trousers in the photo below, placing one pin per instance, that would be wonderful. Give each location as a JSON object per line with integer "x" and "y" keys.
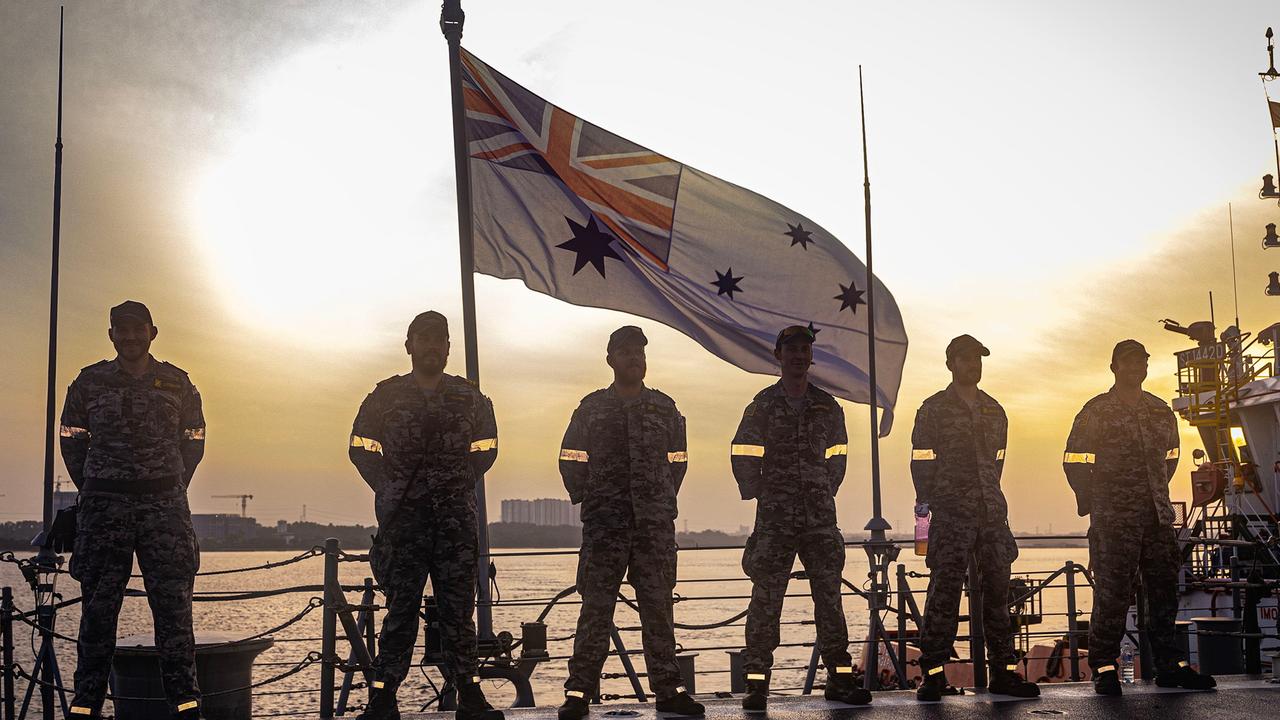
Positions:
{"x": 418, "y": 542}
{"x": 768, "y": 558}
{"x": 953, "y": 541}
{"x": 1119, "y": 549}
{"x": 112, "y": 527}
{"x": 647, "y": 556}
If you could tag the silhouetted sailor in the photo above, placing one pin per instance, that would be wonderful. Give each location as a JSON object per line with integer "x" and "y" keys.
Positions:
{"x": 623, "y": 459}
{"x": 132, "y": 435}
{"x": 789, "y": 456}
{"x": 420, "y": 441}
{"x": 1120, "y": 457}
{"x": 957, "y": 457}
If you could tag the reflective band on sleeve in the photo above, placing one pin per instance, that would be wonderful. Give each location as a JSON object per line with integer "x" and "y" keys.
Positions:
{"x": 1107, "y": 668}
{"x": 1183, "y": 663}
{"x": 484, "y": 445}
{"x": 680, "y": 689}
{"x": 193, "y": 434}
{"x": 757, "y": 676}
{"x": 935, "y": 671}
{"x": 73, "y": 432}
{"x": 574, "y": 693}
{"x": 923, "y": 454}
{"x": 843, "y": 669}
{"x": 834, "y": 450}
{"x": 1011, "y": 667}
{"x": 573, "y": 455}
{"x": 367, "y": 443}
{"x": 747, "y": 450}
{"x": 378, "y": 684}
{"x": 679, "y": 456}
{"x": 188, "y": 705}
{"x": 1078, "y": 458}
{"x": 999, "y": 454}
{"x": 475, "y": 679}
{"x": 1171, "y": 455}
{"x": 77, "y": 710}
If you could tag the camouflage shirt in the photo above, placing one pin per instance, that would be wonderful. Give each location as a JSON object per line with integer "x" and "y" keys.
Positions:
{"x": 624, "y": 460}
{"x": 411, "y": 444}
{"x": 957, "y": 454}
{"x": 1120, "y": 456}
{"x": 791, "y": 460}
{"x": 127, "y": 434}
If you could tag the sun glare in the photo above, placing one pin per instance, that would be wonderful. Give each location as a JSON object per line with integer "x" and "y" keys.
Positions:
{"x": 317, "y": 211}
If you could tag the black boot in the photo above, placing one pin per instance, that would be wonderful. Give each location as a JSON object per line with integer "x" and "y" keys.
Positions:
{"x": 757, "y": 697}
{"x": 681, "y": 704}
{"x": 1106, "y": 681}
{"x": 575, "y": 706}
{"x": 1184, "y": 677}
{"x": 382, "y": 703}
{"x": 933, "y": 686}
{"x": 841, "y": 687}
{"x": 472, "y": 705}
{"x": 1005, "y": 680}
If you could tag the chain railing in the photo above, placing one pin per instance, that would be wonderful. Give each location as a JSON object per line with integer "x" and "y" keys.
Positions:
{"x": 348, "y": 641}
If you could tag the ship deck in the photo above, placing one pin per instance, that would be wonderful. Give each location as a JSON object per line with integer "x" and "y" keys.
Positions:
{"x": 1237, "y": 696}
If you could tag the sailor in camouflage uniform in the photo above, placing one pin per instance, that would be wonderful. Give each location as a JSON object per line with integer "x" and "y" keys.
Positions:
{"x": 421, "y": 440}
{"x": 132, "y": 434}
{"x": 1120, "y": 457}
{"x": 623, "y": 459}
{"x": 789, "y": 456}
{"x": 957, "y": 457}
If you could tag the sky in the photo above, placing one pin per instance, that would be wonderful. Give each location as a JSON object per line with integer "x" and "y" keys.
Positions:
{"x": 275, "y": 180}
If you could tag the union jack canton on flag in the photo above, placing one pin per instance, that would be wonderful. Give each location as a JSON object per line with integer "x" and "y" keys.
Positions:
{"x": 585, "y": 216}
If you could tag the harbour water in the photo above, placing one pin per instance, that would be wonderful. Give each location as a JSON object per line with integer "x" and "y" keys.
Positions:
{"x": 712, "y": 588}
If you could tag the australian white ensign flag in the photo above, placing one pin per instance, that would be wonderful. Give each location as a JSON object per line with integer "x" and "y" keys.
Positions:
{"x": 593, "y": 219}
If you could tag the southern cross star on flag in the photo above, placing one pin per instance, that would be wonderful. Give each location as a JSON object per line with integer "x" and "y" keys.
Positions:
{"x": 590, "y": 218}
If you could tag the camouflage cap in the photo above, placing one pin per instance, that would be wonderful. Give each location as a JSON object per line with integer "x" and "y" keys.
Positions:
{"x": 429, "y": 320}
{"x": 130, "y": 309}
{"x": 966, "y": 344}
{"x": 1128, "y": 347}
{"x": 794, "y": 333}
{"x": 627, "y": 335}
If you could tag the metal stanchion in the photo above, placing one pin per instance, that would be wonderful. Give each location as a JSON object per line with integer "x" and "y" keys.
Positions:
{"x": 329, "y": 634}
{"x": 6, "y": 651}
{"x": 1073, "y": 641}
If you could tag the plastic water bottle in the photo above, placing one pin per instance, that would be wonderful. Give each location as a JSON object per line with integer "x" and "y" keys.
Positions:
{"x": 1126, "y": 662}
{"x": 922, "y": 529}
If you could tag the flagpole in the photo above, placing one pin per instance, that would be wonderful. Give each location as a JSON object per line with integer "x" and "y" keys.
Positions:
{"x": 47, "y": 511}
{"x": 880, "y": 552}
{"x": 451, "y": 21}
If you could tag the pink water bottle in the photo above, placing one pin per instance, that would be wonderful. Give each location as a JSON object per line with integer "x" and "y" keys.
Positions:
{"x": 922, "y": 529}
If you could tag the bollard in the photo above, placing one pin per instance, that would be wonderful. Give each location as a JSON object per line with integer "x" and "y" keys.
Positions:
{"x": 6, "y": 637}
{"x": 1219, "y": 654}
{"x": 533, "y": 640}
{"x": 329, "y": 632}
{"x": 1073, "y": 640}
{"x": 688, "y": 672}
{"x": 1253, "y": 642}
{"x": 737, "y": 678}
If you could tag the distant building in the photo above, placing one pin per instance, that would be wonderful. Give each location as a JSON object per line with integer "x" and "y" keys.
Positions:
{"x": 224, "y": 526}
{"x": 543, "y": 511}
